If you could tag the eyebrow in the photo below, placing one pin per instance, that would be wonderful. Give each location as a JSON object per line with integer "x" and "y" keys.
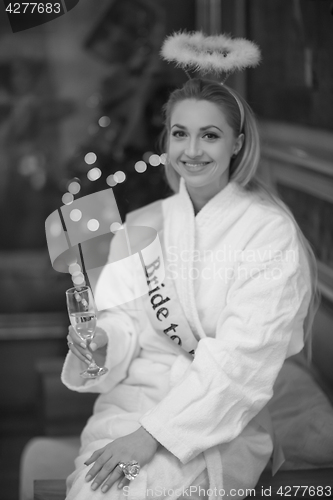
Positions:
{"x": 201, "y": 128}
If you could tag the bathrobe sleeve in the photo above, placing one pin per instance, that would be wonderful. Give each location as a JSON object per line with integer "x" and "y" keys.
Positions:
{"x": 232, "y": 375}
{"x": 115, "y": 286}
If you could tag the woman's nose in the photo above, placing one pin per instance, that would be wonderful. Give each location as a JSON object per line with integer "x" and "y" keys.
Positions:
{"x": 193, "y": 148}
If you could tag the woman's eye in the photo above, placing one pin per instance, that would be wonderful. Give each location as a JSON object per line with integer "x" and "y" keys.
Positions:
{"x": 211, "y": 136}
{"x": 178, "y": 133}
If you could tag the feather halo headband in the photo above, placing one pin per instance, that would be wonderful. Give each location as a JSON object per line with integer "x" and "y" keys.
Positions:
{"x": 210, "y": 54}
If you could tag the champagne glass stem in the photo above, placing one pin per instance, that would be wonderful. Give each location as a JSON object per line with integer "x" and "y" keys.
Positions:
{"x": 93, "y": 367}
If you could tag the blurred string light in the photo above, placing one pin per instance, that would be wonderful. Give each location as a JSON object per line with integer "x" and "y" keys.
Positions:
{"x": 90, "y": 158}
{"x": 76, "y": 273}
{"x": 93, "y": 224}
{"x": 78, "y": 280}
{"x": 140, "y": 166}
{"x": 115, "y": 226}
{"x": 94, "y": 174}
{"x": 163, "y": 158}
{"x": 75, "y": 215}
{"x": 110, "y": 180}
{"x": 74, "y": 187}
{"x": 104, "y": 121}
{"x": 67, "y": 198}
{"x": 74, "y": 268}
{"x": 154, "y": 160}
{"x": 119, "y": 176}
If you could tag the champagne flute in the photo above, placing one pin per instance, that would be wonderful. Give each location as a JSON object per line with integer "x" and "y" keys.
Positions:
{"x": 82, "y": 314}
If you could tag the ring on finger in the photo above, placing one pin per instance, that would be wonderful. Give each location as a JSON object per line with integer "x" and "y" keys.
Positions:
{"x": 130, "y": 469}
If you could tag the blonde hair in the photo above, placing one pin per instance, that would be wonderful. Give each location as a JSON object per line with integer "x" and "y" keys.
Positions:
{"x": 243, "y": 168}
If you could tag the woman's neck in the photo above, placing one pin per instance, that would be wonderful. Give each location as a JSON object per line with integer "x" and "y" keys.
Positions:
{"x": 201, "y": 195}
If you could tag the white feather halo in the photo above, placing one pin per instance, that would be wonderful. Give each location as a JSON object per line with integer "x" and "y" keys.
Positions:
{"x": 216, "y": 53}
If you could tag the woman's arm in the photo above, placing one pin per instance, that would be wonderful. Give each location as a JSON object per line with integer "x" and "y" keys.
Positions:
{"x": 117, "y": 326}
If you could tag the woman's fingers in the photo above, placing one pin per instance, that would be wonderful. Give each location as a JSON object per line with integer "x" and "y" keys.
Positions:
{"x": 77, "y": 345}
{"x": 105, "y": 471}
{"x": 100, "y": 339}
{"x": 105, "y": 468}
{"x": 94, "y": 456}
{"x": 74, "y": 350}
{"x": 139, "y": 446}
{"x": 75, "y": 337}
{"x": 116, "y": 475}
{"x": 123, "y": 481}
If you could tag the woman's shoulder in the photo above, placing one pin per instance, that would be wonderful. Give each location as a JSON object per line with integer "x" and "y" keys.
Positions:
{"x": 270, "y": 217}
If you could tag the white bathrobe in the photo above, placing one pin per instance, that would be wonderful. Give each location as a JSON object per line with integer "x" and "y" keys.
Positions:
{"x": 244, "y": 286}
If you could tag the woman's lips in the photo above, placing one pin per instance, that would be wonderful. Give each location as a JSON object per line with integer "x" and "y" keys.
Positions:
{"x": 195, "y": 165}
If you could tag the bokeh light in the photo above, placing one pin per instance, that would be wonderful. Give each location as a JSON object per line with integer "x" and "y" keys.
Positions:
{"x": 93, "y": 224}
{"x": 119, "y": 176}
{"x": 74, "y": 268}
{"x": 140, "y": 166}
{"x": 90, "y": 158}
{"x": 163, "y": 158}
{"x": 78, "y": 280}
{"x": 115, "y": 226}
{"x": 67, "y": 198}
{"x": 75, "y": 214}
{"x": 74, "y": 187}
{"x": 94, "y": 174}
{"x": 154, "y": 160}
{"x": 110, "y": 180}
{"x": 104, "y": 121}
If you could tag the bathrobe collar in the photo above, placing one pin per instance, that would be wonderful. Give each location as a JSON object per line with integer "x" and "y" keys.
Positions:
{"x": 222, "y": 201}
{"x": 188, "y": 233}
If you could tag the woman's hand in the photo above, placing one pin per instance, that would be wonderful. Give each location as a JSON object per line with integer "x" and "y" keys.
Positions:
{"x": 79, "y": 347}
{"x": 139, "y": 446}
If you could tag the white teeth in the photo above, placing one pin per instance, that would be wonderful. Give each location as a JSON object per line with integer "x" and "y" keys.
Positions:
{"x": 195, "y": 164}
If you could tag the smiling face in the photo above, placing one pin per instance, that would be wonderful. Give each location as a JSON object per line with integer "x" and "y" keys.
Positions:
{"x": 201, "y": 144}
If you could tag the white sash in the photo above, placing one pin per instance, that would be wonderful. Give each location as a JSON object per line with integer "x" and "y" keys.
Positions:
{"x": 158, "y": 293}
{"x": 162, "y": 304}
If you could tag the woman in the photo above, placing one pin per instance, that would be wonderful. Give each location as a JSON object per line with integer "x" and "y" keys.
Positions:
{"x": 244, "y": 280}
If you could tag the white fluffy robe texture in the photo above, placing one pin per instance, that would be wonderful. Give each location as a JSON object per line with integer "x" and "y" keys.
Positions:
{"x": 246, "y": 324}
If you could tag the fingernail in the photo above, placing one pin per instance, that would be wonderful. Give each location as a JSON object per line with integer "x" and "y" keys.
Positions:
{"x": 120, "y": 485}
{"x": 105, "y": 488}
{"x": 93, "y": 347}
{"x": 94, "y": 486}
{"x": 88, "y": 478}
{"x": 83, "y": 344}
{"x": 87, "y": 361}
{"x": 88, "y": 356}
